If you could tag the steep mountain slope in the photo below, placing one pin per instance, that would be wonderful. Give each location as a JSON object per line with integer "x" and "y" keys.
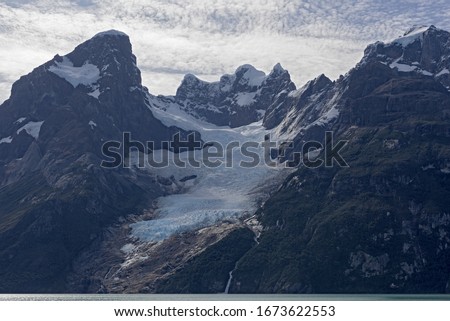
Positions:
{"x": 55, "y": 197}
{"x": 382, "y": 224}
{"x": 235, "y": 100}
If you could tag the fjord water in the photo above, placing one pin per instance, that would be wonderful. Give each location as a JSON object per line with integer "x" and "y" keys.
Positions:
{"x": 224, "y": 297}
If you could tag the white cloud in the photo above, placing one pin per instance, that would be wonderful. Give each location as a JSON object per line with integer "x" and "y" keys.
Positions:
{"x": 210, "y": 38}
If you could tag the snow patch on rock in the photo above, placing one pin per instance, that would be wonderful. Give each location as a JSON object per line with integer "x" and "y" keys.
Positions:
{"x": 20, "y": 120}
{"x": 6, "y": 140}
{"x": 245, "y": 99}
{"x": 32, "y": 128}
{"x": 444, "y": 71}
{"x": 92, "y": 124}
{"x": 87, "y": 74}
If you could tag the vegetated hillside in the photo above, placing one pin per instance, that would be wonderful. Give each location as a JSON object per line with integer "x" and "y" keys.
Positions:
{"x": 382, "y": 224}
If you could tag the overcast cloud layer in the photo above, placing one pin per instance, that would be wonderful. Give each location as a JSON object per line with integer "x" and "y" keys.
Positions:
{"x": 209, "y": 38}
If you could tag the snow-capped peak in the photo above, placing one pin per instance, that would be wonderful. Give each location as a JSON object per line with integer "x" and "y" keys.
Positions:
{"x": 421, "y": 50}
{"x": 250, "y": 75}
{"x": 108, "y": 55}
{"x": 414, "y": 33}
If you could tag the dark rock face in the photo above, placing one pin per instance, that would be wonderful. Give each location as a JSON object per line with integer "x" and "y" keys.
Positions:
{"x": 294, "y": 100}
{"x": 382, "y": 224}
{"x": 236, "y": 100}
{"x": 423, "y": 50}
{"x": 55, "y": 196}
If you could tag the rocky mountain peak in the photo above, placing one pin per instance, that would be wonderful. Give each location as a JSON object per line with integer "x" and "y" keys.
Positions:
{"x": 103, "y": 58}
{"x": 278, "y": 75}
{"x": 417, "y": 29}
{"x": 422, "y": 50}
{"x": 94, "y": 93}
{"x": 293, "y": 100}
{"x": 236, "y": 99}
{"x": 111, "y": 33}
{"x": 102, "y": 46}
{"x": 278, "y": 69}
{"x": 317, "y": 84}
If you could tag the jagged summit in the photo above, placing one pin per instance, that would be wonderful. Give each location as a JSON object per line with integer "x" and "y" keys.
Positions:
{"x": 277, "y": 69}
{"x": 245, "y": 74}
{"x": 101, "y": 64}
{"x": 413, "y": 34}
{"x": 423, "y": 50}
{"x": 236, "y": 99}
{"x": 99, "y": 85}
{"x": 279, "y": 113}
{"x": 110, "y": 43}
{"x": 419, "y": 36}
{"x": 418, "y": 29}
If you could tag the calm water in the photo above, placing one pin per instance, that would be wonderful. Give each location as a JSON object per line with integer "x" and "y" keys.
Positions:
{"x": 216, "y": 297}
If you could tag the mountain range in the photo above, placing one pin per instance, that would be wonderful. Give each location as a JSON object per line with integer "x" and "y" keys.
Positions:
{"x": 380, "y": 224}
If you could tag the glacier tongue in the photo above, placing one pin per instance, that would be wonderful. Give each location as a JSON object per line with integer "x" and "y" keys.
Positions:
{"x": 218, "y": 193}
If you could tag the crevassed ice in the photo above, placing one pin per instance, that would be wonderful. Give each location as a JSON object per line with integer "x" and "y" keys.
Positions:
{"x": 218, "y": 193}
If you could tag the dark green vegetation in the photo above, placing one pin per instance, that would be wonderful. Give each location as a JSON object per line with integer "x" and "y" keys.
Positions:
{"x": 39, "y": 237}
{"x": 351, "y": 230}
{"x": 380, "y": 226}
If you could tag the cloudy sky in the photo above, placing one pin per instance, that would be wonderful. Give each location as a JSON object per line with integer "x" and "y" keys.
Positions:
{"x": 210, "y": 37}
